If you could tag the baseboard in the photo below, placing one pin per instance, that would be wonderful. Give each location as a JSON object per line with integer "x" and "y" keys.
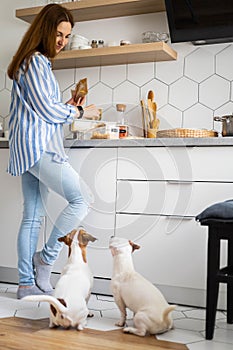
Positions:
{"x": 8, "y": 275}
{"x": 100, "y": 285}
{"x": 174, "y": 295}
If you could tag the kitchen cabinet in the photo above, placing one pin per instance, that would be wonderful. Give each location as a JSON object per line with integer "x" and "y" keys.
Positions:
{"x": 150, "y": 195}
{"x": 97, "y": 168}
{"x": 98, "y": 9}
{"x": 159, "y": 193}
{"x": 11, "y": 209}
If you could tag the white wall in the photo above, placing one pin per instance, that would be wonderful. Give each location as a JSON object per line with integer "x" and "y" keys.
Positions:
{"x": 188, "y": 91}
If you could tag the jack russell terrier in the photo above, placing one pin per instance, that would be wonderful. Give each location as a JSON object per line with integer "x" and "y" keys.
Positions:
{"x": 68, "y": 306}
{"x": 152, "y": 313}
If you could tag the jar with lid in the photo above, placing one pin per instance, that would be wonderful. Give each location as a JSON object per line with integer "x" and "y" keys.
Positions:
{"x": 121, "y": 120}
{"x": 94, "y": 44}
{"x": 100, "y": 43}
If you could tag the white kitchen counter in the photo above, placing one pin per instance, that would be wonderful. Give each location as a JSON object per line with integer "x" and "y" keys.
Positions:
{"x": 154, "y": 142}
{"x": 145, "y": 142}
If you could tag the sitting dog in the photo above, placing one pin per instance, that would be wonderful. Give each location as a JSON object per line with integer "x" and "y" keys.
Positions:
{"x": 152, "y": 314}
{"x": 68, "y": 306}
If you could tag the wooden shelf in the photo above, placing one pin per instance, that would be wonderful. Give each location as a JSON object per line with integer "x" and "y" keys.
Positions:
{"x": 87, "y": 10}
{"x": 134, "y": 53}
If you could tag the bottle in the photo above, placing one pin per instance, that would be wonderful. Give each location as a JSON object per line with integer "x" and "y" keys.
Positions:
{"x": 100, "y": 43}
{"x": 1, "y": 130}
{"x": 94, "y": 44}
{"x": 123, "y": 127}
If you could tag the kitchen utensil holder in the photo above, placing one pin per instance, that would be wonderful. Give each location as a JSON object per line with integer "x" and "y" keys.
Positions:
{"x": 151, "y": 133}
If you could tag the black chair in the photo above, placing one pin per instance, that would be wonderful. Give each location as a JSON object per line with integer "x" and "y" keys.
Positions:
{"x": 219, "y": 219}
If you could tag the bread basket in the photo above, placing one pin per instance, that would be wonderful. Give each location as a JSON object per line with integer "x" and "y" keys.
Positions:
{"x": 180, "y": 132}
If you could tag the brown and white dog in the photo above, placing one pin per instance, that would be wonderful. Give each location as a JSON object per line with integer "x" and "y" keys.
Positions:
{"x": 152, "y": 313}
{"x": 68, "y": 306}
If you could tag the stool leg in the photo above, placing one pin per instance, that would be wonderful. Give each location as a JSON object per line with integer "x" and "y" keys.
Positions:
{"x": 230, "y": 284}
{"x": 212, "y": 283}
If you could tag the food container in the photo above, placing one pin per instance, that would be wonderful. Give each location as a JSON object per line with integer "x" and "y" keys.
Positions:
{"x": 123, "y": 131}
{"x": 80, "y": 127}
{"x": 227, "y": 124}
{"x": 113, "y": 130}
{"x": 151, "y": 37}
{"x": 99, "y": 133}
{"x": 93, "y": 129}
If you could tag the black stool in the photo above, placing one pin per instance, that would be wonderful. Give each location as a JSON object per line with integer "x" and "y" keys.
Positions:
{"x": 218, "y": 229}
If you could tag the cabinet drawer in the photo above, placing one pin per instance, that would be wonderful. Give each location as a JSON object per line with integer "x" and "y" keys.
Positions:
{"x": 211, "y": 163}
{"x": 173, "y": 251}
{"x": 156, "y": 163}
{"x": 176, "y": 163}
{"x": 170, "y": 197}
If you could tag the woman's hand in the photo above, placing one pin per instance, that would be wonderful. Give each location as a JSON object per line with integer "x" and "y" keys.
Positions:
{"x": 90, "y": 111}
{"x": 80, "y": 101}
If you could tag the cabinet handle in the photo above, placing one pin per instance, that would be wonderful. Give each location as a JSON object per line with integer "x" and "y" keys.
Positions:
{"x": 179, "y": 182}
{"x": 179, "y": 217}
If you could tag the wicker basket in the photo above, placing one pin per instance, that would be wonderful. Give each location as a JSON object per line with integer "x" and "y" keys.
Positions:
{"x": 187, "y": 133}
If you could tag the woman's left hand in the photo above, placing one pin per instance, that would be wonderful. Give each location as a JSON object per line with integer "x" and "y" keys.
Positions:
{"x": 80, "y": 101}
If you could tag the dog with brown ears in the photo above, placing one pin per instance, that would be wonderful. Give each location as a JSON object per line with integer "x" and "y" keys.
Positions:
{"x": 68, "y": 305}
{"x": 152, "y": 313}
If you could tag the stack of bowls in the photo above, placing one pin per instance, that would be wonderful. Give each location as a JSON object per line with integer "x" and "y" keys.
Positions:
{"x": 79, "y": 42}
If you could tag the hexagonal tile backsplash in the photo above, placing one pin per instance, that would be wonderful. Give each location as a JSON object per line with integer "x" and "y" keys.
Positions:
{"x": 188, "y": 92}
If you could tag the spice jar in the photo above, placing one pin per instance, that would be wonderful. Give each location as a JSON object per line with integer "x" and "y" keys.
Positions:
{"x": 94, "y": 44}
{"x": 100, "y": 43}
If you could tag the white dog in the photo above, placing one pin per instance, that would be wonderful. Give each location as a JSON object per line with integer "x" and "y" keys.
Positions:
{"x": 152, "y": 314}
{"x": 68, "y": 306}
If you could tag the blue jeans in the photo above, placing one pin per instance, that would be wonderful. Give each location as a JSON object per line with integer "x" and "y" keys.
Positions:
{"x": 65, "y": 181}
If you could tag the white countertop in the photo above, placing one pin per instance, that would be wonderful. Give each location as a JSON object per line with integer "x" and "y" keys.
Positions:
{"x": 145, "y": 142}
{"x": 153, "y": 142}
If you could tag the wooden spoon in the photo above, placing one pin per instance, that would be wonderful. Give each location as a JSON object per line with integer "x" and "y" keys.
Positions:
{"x": 151, "y": 95}
{"x": 154, "y": 108}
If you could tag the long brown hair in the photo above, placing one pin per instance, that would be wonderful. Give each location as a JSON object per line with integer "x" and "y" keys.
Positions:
{"x": 41, "y": 36}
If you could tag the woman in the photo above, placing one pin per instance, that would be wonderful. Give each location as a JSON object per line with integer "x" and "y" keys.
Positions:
{"x": 37, "y": 115}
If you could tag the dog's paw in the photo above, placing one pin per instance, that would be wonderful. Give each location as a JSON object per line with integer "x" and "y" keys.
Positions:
{"x": 120, "y": 323}
{"x": 127, "y": 330}
{"x": 132, "y": 330}
{"x": 52, "y": 325}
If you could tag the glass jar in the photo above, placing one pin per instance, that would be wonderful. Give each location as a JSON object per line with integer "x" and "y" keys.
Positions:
{"x": 121, "y": 120}
{"x": 94, "y": 44}
{"x": 100, "y": 43}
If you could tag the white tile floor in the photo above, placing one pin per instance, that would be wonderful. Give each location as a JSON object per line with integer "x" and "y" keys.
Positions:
{"x": 189, "y": 322}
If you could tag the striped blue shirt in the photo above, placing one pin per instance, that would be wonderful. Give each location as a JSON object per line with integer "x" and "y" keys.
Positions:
{"x": 37, "y": 115}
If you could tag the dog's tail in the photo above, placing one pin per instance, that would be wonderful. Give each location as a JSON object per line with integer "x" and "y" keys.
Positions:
{"x": 50, "y": 299}
{"x": 167, "y": 317}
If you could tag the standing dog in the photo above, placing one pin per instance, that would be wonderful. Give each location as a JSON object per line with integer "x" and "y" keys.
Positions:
{"x": 152, "y": 314}
{"x": 68, "y": 306}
